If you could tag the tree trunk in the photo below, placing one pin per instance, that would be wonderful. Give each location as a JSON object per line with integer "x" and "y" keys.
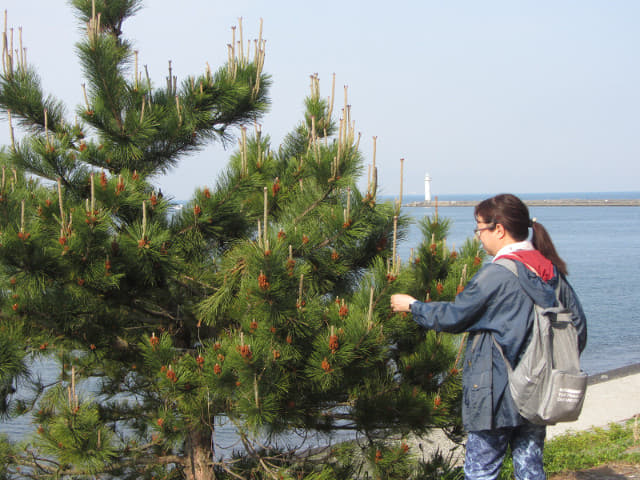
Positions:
{"x": 199, "y": 461}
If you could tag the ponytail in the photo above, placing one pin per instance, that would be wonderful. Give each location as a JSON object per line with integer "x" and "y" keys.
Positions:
{"x": 541, "y": 241}
{"x": 513, "y": 214}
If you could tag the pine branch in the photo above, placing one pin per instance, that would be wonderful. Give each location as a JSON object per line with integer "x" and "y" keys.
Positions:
{"x": 112, "y": 13}
{"x": 313, "y": 206}
{"x": 117, "y": 465}
{"x": 229, "y": 471}
{"x": 36, "y": 462}
{"x": 329, "y": 240}
{"x": 152, "y": 459}
{"x": 157, "y": 312}
{"x": 21, "y": 93}
{"x": 103, "y": 58}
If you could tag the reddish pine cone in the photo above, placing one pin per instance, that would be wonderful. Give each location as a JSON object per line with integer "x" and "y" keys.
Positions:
{"x": 326, "y": 366}
{"x": 245, "y": 351}
{"x": 262, "y": 281}
{"x": 333, "y": 343}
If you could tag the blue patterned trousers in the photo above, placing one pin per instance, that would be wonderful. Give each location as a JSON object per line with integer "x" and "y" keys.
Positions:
{"x": 486, "y": 450}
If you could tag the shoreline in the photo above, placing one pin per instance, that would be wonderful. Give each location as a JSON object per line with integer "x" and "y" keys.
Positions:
{"x": 577, "y": 202}
{"x": 619, "y": 372}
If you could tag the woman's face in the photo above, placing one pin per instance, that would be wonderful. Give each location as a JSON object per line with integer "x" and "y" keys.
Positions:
{"x": 485, "y": 232}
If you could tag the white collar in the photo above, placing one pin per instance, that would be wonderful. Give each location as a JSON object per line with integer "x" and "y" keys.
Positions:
{"x": 513, "y": 247}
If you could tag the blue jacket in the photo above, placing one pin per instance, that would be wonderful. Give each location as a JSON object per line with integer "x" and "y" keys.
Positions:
{"x": 494, "y": 302}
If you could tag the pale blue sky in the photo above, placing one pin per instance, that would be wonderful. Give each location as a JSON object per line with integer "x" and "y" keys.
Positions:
{"x": 485, "y": 96}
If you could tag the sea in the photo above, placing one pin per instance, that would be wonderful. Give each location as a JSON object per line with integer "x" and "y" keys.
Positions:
{"x": 601, "y": 246}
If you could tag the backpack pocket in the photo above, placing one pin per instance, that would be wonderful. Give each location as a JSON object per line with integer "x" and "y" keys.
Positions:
{"x": 563, "y": 398}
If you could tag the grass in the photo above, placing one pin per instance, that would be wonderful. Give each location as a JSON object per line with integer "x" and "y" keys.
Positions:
{"x": 583, "y": 450}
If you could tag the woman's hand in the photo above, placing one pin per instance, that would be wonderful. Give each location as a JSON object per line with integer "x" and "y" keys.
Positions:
{"x": 401, "y": 302}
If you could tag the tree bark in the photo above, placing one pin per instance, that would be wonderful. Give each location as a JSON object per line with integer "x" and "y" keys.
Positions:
{"x": 199, "y": 461}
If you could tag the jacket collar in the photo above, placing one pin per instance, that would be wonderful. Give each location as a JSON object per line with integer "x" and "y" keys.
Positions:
{"x": 530, "y": 258}
{"x": 513, "y": 247}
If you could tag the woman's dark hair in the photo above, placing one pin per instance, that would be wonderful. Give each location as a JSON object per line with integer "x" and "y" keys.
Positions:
{"x": 512, "y": 213}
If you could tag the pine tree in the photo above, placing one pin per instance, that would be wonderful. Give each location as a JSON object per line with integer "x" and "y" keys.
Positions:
{"x": 263, "y": 303}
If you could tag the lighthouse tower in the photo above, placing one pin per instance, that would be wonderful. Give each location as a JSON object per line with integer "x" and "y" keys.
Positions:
{"x": 427, "y": 188}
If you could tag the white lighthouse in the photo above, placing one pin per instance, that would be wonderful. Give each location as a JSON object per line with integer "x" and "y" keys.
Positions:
{"x": 427, "y": 188}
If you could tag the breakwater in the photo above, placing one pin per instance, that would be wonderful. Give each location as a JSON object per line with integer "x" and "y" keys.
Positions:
{"x": 563, "y": 202}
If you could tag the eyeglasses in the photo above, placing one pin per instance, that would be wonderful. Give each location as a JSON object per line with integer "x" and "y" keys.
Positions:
{"x": 477, "y": 230}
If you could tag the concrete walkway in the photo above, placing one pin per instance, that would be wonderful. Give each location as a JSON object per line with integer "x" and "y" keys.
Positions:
{"x": 612, "y": 397}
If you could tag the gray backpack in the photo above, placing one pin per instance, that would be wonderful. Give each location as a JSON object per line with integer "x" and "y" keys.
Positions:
{"x": 547, "y": 384}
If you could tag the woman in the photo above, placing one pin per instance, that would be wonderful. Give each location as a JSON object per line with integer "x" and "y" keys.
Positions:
{"x": 496, "y": 303}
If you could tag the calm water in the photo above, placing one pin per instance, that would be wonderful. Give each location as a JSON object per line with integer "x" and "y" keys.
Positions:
{"x": 601, "y": 246}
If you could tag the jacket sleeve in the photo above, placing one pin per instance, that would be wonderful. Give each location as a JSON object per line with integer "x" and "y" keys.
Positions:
{"x": 457, "y": 316}
{"x": 569, "y": 300}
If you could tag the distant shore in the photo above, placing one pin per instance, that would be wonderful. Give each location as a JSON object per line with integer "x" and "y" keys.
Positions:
{"x": 577, "y": 202}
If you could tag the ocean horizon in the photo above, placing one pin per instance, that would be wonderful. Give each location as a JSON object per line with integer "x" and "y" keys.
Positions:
{"x": 621, "y": 195}
{"x": 419, "y": 197}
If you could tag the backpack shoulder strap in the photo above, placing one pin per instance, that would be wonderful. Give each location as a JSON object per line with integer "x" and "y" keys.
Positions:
{"x": 508, "y": 264}
{"x": 512, "y": 267}
{"x": 507, "y": 363}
